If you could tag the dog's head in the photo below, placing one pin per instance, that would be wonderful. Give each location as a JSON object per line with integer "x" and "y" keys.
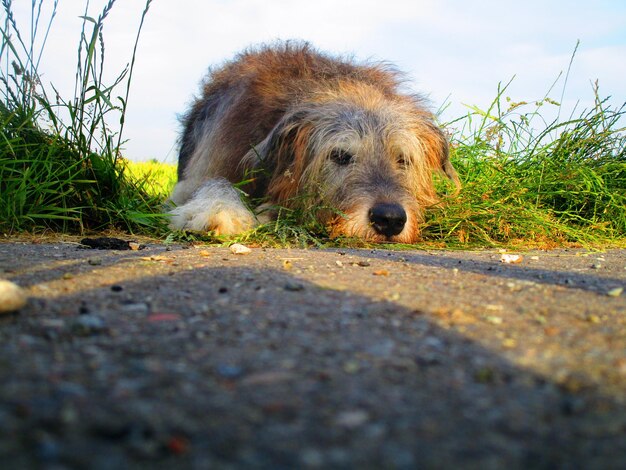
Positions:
{"x": 367, "y": 155}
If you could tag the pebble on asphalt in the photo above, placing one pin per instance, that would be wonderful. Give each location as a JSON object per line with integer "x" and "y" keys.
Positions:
{"x": 615, "y": 292}
{"x": 87, "y": 325}
{"x": 511, "y": 259}
{"x": 294, "y": 286}
{"x": 239, "y": 249}
{"x": 12, "y": 297}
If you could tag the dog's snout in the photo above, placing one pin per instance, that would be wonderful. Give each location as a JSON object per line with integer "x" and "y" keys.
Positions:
{"x": 387, "y": 219}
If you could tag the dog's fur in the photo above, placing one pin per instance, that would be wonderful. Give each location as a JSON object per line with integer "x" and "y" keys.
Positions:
{"x": 314, "y": 131}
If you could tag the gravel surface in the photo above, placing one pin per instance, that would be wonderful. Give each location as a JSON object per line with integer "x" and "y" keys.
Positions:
{"x": 195, "y": 357}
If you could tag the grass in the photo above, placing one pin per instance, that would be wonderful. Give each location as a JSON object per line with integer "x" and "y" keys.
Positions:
{"x": 526, "y": 181}
{"x": 564, "y": 183}
{"x": 60, "y": 165}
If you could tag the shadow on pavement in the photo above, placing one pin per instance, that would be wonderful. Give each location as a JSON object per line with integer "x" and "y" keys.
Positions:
{"x": 247, "y": 367}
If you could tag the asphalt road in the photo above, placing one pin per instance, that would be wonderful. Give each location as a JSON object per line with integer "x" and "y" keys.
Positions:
{"x": 194, "y": 357}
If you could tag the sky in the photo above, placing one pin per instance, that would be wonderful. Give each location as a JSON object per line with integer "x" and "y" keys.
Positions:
{"x": 453, "y": 51}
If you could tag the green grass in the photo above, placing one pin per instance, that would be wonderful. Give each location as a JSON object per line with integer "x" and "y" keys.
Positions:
{"x": 526, "y": 182}
{"x": 60, "y": 165}
{"x": 562, "y": 183}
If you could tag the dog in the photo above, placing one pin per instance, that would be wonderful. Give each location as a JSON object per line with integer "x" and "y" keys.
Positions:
{"x": 312, "y": 132}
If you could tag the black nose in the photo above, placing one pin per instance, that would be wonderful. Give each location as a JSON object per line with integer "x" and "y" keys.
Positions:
{"x": 387, "y": 219}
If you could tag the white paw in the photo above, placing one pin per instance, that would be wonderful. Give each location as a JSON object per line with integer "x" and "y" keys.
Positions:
{"x": 215, "y": 206}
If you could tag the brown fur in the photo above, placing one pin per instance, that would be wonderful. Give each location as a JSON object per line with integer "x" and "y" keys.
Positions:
{"x": 286, "y": 110}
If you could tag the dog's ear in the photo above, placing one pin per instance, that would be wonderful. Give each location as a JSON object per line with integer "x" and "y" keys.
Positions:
{"x": 438, "y": 153}
{"x": 282, "y": 155}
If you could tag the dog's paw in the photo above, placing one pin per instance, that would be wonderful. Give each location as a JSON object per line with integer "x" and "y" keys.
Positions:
{"x": 214, "y": 207}
{"x": 228, "y": 222}
{"x": 222, "y": 221}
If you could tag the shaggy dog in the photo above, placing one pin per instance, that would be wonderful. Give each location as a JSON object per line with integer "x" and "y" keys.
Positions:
{"x": 316, "y": 133}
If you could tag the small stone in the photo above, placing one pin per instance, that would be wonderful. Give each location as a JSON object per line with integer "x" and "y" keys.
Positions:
{"x": 494, "y": 320}
{"x": 509, "y": 343}
{"x": 494, "y": 307}
{"x": 12, "y": 297}
{"x": 615, "y": 292}
{"x": 596, "y": 266}
{"x": 135, "y": 308}
{"x": 351, "y": 367}
{"x": 134, "y": 246}
{"x": 239, "y": 249}
{"x": 433, "y": 342}
{"x": 381, "y": 272}
{"x": 294, "y": 286}
{"x": 162, "y": 317}
{"x": 67, "y": 276}
{"x": 88, "y": 324}
{"x": 94, "y": 261}
{"x": 593, "y": 318}
{"x": 382, "y": 349}
{"x": 511, "y": 259}
{"x": 117, "y": 288}
{"x": 352, "y": 419}
{"x": 363, "y": 264}
{"x": 54, "y": 323}
{"x": 165, "y": 259}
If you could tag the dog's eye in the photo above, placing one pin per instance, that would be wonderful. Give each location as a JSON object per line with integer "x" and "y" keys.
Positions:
{"x": 402, "y": 160}
{"x": 341, "y": 157}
